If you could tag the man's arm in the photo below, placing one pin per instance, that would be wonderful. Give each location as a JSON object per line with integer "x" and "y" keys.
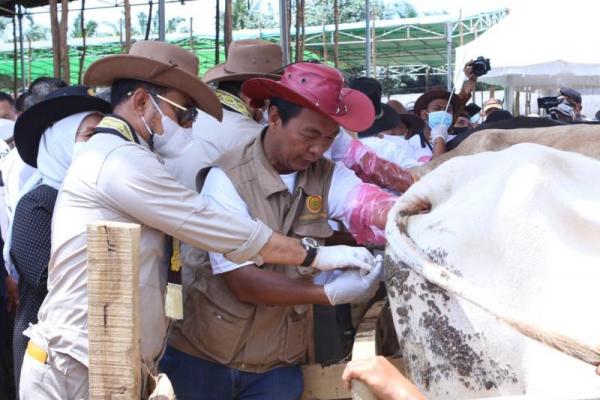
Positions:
{"x": 469, "y": 85}
{"x": 252, "y": 285}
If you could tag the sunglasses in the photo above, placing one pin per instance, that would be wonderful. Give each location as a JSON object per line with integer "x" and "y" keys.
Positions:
{"x": 185, "y": 115}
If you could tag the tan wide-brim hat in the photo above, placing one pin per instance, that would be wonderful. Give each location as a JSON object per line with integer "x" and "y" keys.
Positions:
{"x": 246, "y": 59}
{"x": 161, "y": 64}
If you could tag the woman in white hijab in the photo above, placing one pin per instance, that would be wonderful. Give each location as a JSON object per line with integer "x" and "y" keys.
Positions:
{"x": 30, "y": 235}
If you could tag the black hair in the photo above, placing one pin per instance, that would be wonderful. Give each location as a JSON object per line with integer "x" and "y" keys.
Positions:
{"x": 7, "y": 97}
{"x": 40, "y": 88}
{"x": 286, "y": 109}
{"x": 231, "y": 87}
{"x": 20, "y": 102}
{"x": 121, "y": 89}
{"x": 46, "y": 81}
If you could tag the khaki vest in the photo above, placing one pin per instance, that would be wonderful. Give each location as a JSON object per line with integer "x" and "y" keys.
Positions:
{"x": 218, "y": 327}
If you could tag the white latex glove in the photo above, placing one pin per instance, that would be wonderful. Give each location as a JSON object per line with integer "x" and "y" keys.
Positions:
{"x": 350, "y": 286}
{"x": 334, "y": 257}
{"x": 440, "y": 131}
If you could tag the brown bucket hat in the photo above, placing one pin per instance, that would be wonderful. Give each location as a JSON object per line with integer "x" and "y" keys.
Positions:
{"x": 434, "y": 93}
{"x": 159, "y": 63}
{"x": 247, "y": 59}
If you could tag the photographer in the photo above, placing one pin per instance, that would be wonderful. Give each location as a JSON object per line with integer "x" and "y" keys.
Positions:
{"x": 573, "y": 98}
{"x": 438, "y": 116}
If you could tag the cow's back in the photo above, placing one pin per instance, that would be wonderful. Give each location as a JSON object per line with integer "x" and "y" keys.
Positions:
{"x": 579, "y": 138}
{"x": 523, "y": 225}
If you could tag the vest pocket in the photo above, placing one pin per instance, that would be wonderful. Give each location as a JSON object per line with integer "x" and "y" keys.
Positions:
{"x": 218, "y": 324}
{"x": 296, "y": 343}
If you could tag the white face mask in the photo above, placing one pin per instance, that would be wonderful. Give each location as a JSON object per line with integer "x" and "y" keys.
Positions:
{"x": 174, "y": 138}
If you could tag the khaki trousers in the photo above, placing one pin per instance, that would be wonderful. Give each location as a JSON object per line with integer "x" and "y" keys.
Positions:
{"x": 60, "y": 378}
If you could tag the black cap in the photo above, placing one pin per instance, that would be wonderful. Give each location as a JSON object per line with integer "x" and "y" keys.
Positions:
{"x": 386, "y": 117}
{"x": 571, "y": 93}
{"x": 59, "y": 104}
{"x": 472, "y": 109}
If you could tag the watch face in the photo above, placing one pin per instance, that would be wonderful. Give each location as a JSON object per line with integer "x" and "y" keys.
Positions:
{"x": 310, "y": 242}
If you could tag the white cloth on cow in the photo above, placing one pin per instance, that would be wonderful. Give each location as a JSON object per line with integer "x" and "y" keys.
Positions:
{"x": 521, "y": 224}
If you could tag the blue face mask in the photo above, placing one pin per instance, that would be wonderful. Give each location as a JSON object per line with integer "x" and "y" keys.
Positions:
{"x": 439, "y": 118}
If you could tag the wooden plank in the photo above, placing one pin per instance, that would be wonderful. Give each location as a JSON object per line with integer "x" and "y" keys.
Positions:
{"x": 325, "y": 383}
{"x": 113, "y": 310}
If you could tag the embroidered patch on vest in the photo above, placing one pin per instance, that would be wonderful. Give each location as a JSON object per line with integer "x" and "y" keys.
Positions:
{"x": 314, "y": 203}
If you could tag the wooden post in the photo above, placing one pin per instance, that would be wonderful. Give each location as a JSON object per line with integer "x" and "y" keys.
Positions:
{"x": 192, "y": 35}
{"x": 217, "y": 32}
{"x": 113, "y": 310}
{"x": 228, "y": 25}
{"x": 127, "y": 7}
{"x": 55, "y": 32}
{"x": 373, "y": 46}
{"x": 15, "y": 55}
{"x": 64, "y": 49}
{"x": 302, "y": 31}
{"x": 29, "y": 60}
{"x": 336, "y": 34}
{"x": 83, "y": 47}
{"x": 324, "y": 42}
{"x": 298, "y": 27}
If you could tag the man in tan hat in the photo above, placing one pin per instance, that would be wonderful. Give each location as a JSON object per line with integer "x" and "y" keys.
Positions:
{"x": 246, "y": 328}
{"x": 241, "y": 122}
{"x": 155, "y": 94}
{"x": 211, "y": 137}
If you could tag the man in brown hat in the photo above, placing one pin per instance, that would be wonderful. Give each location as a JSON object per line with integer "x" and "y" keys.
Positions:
{"x": 246, "y": 329}
{"x": 210, "y": 137}
{"x": 437, "y": 108}
{"x": 155, "y": 94}
{"x": 246, "y": 59}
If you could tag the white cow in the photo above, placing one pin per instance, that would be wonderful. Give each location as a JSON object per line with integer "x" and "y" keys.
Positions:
{"x": 580, "y": 138}
{"x": 521, "y": 225}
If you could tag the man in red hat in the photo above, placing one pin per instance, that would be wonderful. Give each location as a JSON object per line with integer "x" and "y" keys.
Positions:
{"x": 247, "y": 328}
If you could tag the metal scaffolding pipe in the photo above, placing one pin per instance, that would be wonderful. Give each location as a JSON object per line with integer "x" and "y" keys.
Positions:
{"x": 284, "y": 31}
{"x": 368, "y": 38}
{"x": 22, "y": 55}
{"x": 161, "y": 20}
{"x": 449, "y": 55}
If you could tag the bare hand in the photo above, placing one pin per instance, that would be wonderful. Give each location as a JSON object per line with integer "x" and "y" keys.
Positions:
{"x": 12, "y": 292}
{"x": 468, "y": 70}
{"x": 598, "y": 370}
{"x": 382, "y": 378}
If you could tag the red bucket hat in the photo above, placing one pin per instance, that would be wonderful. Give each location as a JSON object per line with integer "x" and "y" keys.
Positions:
{"x": 318, "y": 87}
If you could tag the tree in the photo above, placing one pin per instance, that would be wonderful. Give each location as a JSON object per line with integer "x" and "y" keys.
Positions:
{"x": 354, "y": 10}
{"x": 33, "y": 31}
{"x": 91, "y": 27}
{"x": 173, "y": 23}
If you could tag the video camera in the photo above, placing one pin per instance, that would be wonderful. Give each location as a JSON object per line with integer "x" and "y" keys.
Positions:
{"x": 549, "y": 102}
{"x": 481, "y": 66}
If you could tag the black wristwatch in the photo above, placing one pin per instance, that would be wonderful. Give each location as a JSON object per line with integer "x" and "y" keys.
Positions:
{"x": 312, "y": 248}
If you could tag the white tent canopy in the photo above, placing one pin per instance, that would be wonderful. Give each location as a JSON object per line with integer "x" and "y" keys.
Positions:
{"x": 541, "y": 45}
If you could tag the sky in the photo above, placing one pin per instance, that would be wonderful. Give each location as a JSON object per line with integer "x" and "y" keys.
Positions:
{"x": 202, "y": 11}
